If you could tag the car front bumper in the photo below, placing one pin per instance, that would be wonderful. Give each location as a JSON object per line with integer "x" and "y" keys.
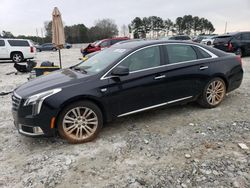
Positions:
{"x": 33, "y": 125}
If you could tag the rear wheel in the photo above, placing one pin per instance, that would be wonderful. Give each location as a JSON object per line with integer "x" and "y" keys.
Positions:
{"x": 80, "y": 122}
{"x": 17, "y": 57}
{"x": 213, "y": 94}
{"x": 54, "y": 49}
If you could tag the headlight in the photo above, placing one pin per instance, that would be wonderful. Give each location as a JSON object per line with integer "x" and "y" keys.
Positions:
{"x": 37, "y": 100}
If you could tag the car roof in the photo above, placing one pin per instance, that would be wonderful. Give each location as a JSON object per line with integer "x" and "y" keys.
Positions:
{"x": 144, "y": 43}
{"x": 14, "y": 39}
{"x": 140, "y": 44}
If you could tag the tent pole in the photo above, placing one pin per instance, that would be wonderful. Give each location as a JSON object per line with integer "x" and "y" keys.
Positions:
{"x": 60, "y": 60}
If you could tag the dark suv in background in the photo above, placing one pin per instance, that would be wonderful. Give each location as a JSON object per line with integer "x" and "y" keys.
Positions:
{"x": 238, "y": 43}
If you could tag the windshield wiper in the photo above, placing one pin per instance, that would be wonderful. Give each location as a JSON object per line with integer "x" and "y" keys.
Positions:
{"x": 81, "y": 69}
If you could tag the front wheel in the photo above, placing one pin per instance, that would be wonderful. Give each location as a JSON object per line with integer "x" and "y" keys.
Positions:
{"x": 80, "y": 122}
{"x": 213, "y": 94}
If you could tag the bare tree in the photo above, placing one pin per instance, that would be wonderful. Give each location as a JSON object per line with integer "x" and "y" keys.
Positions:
{"x": 124, "y": 30}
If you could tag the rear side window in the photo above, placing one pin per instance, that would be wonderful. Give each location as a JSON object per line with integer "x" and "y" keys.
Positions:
{"x": 202, "y": 54}
{"x": 2, "y": 43}
{"x": 245, "y": 36}
{"x": 223, "y": 39}
{"x": 18, "y": 42}
{"x": 115, "y": 41}
{"x": 180, "y": 53}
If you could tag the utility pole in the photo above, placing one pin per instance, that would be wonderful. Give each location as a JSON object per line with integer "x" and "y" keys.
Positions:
{"x": 42, "y": 34}
{"x": 36, "y": 35}
{"x": 226, "y": 28}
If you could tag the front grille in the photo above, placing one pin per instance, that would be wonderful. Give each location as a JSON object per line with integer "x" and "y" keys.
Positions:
{"x": 16, "y": 100}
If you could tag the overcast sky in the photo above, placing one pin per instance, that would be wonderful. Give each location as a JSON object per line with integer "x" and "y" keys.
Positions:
{"x": 24, "y": 16}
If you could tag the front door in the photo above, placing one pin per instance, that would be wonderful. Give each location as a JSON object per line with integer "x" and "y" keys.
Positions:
{"x": 136, "y": 91}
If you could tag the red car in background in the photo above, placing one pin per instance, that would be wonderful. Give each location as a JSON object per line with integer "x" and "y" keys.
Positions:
{"x": 101, "y": 44}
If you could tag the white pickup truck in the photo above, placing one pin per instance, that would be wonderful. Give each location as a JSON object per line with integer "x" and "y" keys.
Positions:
{"x": 16, "y": 50}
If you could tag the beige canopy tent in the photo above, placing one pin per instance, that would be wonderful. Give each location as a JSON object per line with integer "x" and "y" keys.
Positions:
{"x": 58, "y": 37}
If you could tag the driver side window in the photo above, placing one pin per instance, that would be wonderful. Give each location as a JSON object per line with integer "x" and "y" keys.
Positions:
{"x": 143, "y": 59}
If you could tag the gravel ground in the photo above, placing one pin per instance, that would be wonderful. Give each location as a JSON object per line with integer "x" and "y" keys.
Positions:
{"x": 182, "y": 146}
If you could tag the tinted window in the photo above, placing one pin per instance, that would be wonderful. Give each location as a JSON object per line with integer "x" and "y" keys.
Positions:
{"x": 223, "y": 39}
{"x": 116, "y": 40}
{"x": 105, "y": 44}
{"x": 246, "y": 36}
{"x": 2, "y": 43}
{"x": 18, "y": 42}
{"x": 203, "y": 54}
{"x": 143, "y": 59}
{"x": 179, "y": 53}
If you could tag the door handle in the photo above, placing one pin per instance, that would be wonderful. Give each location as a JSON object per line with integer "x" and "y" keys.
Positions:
{"x": 160, "y": 77}
{"x": 203, "y": 67}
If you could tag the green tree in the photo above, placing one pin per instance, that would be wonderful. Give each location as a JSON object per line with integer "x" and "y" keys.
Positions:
{"x": 168, "y": 26}
{"x": 179, "y": 25}
{"x": 187, "y": 24}
{"x": 138, "y": 28}
{"x": 7, "y": 34}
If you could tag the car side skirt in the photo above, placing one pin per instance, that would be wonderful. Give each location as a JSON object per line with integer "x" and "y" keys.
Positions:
{"x": 154, "y": 106}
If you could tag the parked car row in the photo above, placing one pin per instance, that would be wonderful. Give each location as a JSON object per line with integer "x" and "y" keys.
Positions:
{"x": 51, "y": 47}
{"x": 237, "y": 42}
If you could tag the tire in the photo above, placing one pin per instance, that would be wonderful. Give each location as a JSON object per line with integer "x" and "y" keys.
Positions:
{"x": 54, "y": 49}
{"x": 73, "y": 124}
{"x": 17, "y": 57}
{"x": 239, "y": 52}
{"x": 213, "y": 93}
{"x": 38, "y": 50}
{"x": 209, "y": 43}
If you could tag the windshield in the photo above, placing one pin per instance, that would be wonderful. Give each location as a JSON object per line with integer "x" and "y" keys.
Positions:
{"x": 101, "y": 60}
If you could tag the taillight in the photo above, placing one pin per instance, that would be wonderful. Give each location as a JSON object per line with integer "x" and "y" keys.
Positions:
{"x": 239, "y": 59}
{"x": 230, "y": 46}
{"x": 31, "y": 49}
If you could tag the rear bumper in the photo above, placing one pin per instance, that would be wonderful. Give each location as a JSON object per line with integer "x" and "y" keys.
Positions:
{"x": 235, "y": 80}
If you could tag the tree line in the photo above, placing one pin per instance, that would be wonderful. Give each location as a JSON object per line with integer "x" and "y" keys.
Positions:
{"x": 78, "y": 33}
{"x": 155, "y": 26}
{"x": 147, "y": 27}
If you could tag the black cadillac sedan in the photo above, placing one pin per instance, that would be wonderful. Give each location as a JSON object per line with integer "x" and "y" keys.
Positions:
{"x": 124, "y": 79}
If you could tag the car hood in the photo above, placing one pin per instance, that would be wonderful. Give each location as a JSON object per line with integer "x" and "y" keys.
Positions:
{"x": 58, "y": 79}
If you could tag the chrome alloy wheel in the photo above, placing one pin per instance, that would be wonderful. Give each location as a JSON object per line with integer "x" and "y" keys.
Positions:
{"x": 17, "y": 58}
{"x": 80, "y": 123}
{"x": 215, "y": 92}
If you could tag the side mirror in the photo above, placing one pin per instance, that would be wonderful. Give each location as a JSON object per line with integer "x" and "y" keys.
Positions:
{"x": 120, "y": 71}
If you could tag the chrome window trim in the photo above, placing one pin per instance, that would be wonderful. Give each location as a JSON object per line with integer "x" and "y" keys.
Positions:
{"x": 154, "y": 106}
{"x": 183, "y": 62}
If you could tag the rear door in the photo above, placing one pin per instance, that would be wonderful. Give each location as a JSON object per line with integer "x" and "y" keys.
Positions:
{"x": 3, "y": 50}
{"x": 185, "y": 73}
